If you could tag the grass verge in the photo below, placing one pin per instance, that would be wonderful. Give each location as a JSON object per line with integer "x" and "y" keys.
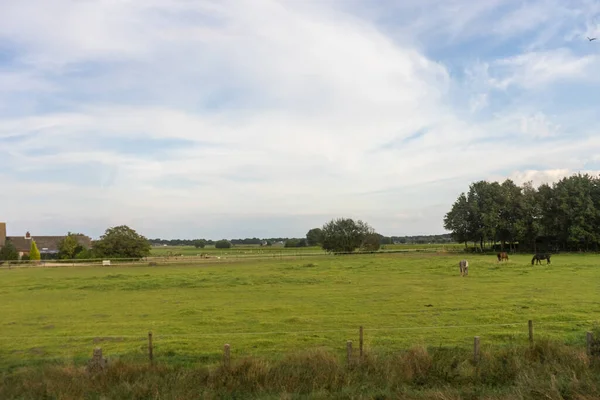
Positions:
{"x": 545, "y": 370}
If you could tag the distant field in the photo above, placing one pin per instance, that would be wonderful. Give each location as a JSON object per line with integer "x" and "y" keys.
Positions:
{"x": 269, "y": 307}
{"x": 250, "y": 250}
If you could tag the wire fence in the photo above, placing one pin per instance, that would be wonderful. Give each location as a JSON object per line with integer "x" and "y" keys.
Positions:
{"x": 190, "y": 348}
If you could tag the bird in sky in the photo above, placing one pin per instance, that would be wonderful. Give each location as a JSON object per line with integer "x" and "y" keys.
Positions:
{"x": 590, "y": 39}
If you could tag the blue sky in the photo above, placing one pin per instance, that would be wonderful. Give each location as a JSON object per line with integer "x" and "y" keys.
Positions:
{"x": 196, "y": 118}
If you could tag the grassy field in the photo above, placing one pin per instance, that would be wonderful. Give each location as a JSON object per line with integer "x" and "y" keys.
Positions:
{"x": 251, "y": 250}
{"x": 272, "y": 307}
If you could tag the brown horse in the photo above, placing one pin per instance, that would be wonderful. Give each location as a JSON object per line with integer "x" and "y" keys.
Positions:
{"x": 502, "y": 256}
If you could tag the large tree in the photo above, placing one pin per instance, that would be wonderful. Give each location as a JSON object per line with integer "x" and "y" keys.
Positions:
{"x": 314, "y": 237}
{"x": 122, "y": 242}
{"x": 344, "y": 235}
{"x": 457, "y": 220}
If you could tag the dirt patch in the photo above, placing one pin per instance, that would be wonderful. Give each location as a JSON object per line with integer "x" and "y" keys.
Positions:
{"x": 48, "y": 327}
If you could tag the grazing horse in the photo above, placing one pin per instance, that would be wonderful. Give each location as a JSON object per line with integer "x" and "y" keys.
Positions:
{"x": 541, "y": 256}
{"x": 502, "y": 256}
{"x": 464, "y": 267}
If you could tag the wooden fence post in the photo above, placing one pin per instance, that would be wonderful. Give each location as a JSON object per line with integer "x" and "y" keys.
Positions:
{"x": 349, "y": 351}
{"x": 530, "y": 331}
{"x": 226, "y": 356}
{"x": 150, "y": 348}
{"x": 589, "y": 338}
{"x": 476, "y": 350}
{"x": 361, "y": 342}
{"x": 98, "y": 362}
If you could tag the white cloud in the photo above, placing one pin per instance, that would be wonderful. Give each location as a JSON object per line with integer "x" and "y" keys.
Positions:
{"x": 535, "y": 69}
{"x": 479, "y": 102}
{"x": 288, "y": 109}
{"x": 540, "y": 177}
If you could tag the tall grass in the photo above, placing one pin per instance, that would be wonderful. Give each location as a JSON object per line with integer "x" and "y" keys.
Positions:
{"x": 546, "y": 370}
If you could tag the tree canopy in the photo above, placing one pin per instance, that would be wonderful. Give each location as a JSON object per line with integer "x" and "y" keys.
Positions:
{"x": 563, "y": 216}
{"x": 69, "y": 247}
{"x": 199, "y": 243}
{"x": 345, "y": 235}
{"x": 223, "y": 244}
{"x": 314, "y": 237}
{"x": 121, "y": 242}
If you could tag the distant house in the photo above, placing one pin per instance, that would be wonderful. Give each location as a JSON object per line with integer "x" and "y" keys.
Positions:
{"x": 45, "y": 244}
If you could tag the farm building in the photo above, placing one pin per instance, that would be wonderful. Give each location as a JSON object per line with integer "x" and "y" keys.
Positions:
{"x": 45, "y": 244}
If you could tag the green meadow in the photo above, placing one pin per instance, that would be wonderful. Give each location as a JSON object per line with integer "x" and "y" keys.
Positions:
{"x": 274, "y": 251}
{"x": 272, "y": 307}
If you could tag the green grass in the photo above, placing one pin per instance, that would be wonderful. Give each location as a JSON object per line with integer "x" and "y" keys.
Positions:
{"x": 272, "y": 307}
{"x": 545, "y": 370}
{"x": 255, "y": 251}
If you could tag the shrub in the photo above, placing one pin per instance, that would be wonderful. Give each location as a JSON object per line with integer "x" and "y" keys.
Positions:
{"x": 223, "y": 244}
{"x": 34, "y": 253}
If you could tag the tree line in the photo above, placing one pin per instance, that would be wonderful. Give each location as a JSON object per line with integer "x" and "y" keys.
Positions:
{"x": 564, "y": 216}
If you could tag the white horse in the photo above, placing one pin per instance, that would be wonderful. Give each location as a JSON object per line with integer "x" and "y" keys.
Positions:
{"x": 464, "y": 267}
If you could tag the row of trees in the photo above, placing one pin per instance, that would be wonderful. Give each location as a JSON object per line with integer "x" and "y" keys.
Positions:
{"x": 201, "y": 243}
{"x": 561, "y": 216}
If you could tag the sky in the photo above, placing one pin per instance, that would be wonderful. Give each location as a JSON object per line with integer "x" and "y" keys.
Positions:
{"x": 227, "y": 119}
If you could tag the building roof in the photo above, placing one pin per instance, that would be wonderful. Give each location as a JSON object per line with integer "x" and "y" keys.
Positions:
{"x": 46, "y": 244}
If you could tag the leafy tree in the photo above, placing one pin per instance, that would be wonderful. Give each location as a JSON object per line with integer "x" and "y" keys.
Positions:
{"x": 457, "y": 220}
{"x": 291, "y": 243}
{"x": 85, "y": 254}
{"x": 314, "y": 237}
{"x": 69, "y": 247}
{"x": 9, "y": 252}
{"x": 344, "y": 235}
{"x": 34, "y": 253}
{"x": 371, "y": 242}
{"x": 121, "y": 242}
{"x": 223, "y": 244}
{"x": 199, "y": 244}
{"x": 563, "y": 215}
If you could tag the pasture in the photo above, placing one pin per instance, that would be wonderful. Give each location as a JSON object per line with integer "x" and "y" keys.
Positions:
{"x": 271, "y": 307}
{"x": 275, "y": 251}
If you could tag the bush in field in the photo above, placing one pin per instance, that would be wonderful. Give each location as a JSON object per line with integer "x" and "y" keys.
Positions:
{"x": 345, "y": 235}
{"x": 223, "y": 244}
